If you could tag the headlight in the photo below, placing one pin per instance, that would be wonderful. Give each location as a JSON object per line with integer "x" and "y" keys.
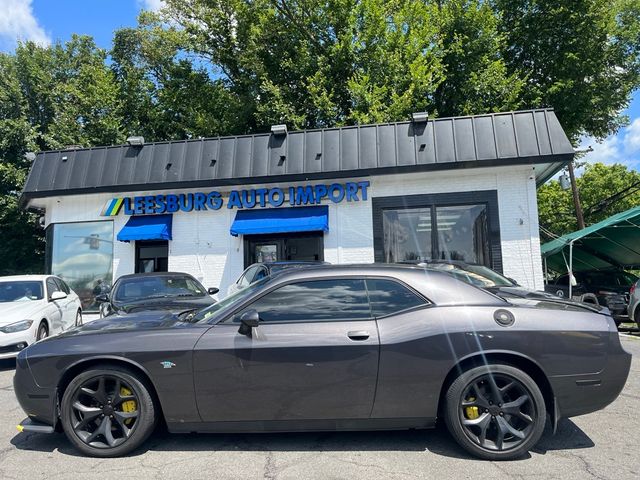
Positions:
{"x": 17, "y": 327}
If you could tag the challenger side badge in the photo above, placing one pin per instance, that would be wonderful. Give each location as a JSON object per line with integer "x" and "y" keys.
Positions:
{"x": 167, "y": 364}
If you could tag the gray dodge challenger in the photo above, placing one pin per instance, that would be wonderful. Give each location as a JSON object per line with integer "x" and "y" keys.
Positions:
{"x": 329, "y": 348}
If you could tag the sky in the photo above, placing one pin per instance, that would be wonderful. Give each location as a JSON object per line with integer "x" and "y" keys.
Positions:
{"x": 48, "y": 21}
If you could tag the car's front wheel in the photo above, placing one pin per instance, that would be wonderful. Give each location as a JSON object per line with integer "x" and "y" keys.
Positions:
{"x": 495, "y": 412}
{"x": 43, "y": 331}
{"x": 107, "y": 411}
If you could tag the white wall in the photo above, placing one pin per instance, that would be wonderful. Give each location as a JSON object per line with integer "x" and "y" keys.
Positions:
{"x": 203, "y": 247}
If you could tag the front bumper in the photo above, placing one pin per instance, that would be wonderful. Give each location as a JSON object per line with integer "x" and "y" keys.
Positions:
{"x": 40, "y": 404}
{"x": 32, "y": 426}
{"x": 13, "y": 343}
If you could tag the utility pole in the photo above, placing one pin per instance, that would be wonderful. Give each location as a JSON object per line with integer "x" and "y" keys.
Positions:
{"x": 576, "y": 197}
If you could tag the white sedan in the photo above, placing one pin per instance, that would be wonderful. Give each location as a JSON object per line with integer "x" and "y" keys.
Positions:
{"x": 33, "y": 307}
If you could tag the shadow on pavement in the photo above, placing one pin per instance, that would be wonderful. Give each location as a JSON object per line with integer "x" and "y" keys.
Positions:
{"x": 7, "y": 364}
{"x": 436, "y": 441}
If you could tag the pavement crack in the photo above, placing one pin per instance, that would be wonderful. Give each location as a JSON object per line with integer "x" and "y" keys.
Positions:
{"x": 270, "y": 471}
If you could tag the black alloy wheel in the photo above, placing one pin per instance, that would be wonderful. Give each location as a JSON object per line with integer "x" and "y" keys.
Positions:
{"x": 495, "y": 412}
{"x": 107, "y": 412}
{"x": 43, "y": 331}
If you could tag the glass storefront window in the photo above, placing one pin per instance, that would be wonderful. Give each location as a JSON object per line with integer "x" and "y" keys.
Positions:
{"x": 462, "y": 233}
{"x": 436, "y": 233}
{"x": 82, "y": 255}
{"x": 407, "y": 234}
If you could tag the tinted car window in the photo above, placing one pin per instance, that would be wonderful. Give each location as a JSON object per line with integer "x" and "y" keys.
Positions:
{"x": 157, "y": 287}
{"x": 260, "y": 274}
{"x": 388, "y": 297}
{"x": 20, "y": 291}
{"x": 318, "y": 300}
{"x": 52, "y": 286}
{"x": 62, "y": 286}
{"x": 247, "y": 277}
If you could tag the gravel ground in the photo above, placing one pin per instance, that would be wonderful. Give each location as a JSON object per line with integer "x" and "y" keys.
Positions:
{"x": 602, "y": 445}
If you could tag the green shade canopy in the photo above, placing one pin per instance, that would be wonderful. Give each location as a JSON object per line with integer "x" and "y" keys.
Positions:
{"x": 611, "y": 243}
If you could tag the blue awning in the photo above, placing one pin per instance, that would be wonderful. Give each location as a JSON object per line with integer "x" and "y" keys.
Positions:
{"x": 147, "y": 227}
{"x": 281, "y": 220}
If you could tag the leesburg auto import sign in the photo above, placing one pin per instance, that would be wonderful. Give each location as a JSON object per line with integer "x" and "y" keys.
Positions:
{"x": 248, "y": 198}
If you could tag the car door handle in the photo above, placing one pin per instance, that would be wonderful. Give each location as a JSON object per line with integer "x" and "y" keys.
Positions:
{"x": 358, "y": 335}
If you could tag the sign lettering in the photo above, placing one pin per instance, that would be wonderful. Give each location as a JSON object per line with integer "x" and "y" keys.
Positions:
{"x": 239, "y": 199}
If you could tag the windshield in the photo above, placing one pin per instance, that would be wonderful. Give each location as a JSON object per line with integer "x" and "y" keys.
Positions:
{"x": 206, "y": 313}
{"x": 139, "y": 288}
{"x": 477, "y": 275}
{"x": 20, "y": 291}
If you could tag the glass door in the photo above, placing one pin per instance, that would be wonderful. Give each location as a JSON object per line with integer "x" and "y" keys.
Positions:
{"x": 152, "y": 256}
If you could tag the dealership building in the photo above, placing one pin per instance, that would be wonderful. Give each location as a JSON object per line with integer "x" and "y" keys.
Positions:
{"x": 459, "y": 188}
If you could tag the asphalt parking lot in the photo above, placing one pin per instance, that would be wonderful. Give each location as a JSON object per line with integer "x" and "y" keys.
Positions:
{"x": 603, "y": 445}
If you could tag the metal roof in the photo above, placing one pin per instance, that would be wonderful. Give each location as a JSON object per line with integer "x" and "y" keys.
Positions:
{"x": 524, "y": 137}
{"x": 612, "y": 243}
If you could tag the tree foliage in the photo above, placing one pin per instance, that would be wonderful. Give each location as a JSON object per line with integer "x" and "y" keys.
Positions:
{"x": 50, "y": 97}
{"x": 597, "y": 184}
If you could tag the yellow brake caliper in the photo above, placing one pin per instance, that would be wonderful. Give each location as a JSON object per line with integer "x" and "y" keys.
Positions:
{"x": 471, "y": 412}
{"x": 128, "y": 406}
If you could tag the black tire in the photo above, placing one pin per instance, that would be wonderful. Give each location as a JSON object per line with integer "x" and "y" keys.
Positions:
{"x": 87, "y": 436}
{"x": 43, "y": 331}
{"x": 78, "y": 318}
{"x": 488, "y": 434}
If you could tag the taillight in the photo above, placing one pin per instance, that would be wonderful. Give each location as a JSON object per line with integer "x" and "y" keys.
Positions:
{"x": 632, "y": 289}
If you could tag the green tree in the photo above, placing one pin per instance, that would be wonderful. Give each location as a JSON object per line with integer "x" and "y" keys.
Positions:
{"x": 165, "y": 93}
{"x": 597, "y": 184}
{"x": 325, "y": 62}
{"x": 580, "y": 57}
{"x": 313, "y": 63}
{"x": 50, "y": 97}
{"x": 476, "y": 79}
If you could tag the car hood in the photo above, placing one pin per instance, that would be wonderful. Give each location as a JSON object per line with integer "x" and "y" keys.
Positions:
{"x": 128, "y": 323}
{"x": 172, "y": 304}
{"x": 15, "y": 311}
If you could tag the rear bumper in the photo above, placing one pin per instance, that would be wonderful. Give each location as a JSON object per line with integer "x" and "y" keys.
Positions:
{"x": 582, "y": 394}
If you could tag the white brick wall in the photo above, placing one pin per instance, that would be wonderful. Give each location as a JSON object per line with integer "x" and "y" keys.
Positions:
{"x": 203, "y": 247}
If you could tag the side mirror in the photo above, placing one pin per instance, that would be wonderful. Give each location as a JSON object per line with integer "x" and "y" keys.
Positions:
{"x": 248, "y": 320}
{"x": 58, "y": 296}
{"x": 513, "y": 281}
{"x": 102, "y": 298}
{"x": 213, "y": 290}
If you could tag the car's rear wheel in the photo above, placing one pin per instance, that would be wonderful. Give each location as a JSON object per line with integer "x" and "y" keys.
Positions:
{"x": 43, "y": 331}
{"x": 107, "y": 411}
{"x": 495, "y": 412}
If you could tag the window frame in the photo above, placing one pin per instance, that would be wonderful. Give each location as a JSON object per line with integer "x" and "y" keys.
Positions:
{"x": 433, "y": 201}
{"x": 230, "y": 317}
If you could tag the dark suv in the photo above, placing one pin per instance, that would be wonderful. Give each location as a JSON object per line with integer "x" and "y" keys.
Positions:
{"x": 609, "y": 287}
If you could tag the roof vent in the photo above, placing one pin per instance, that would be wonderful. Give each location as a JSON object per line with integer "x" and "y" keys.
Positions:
{"x": 279, "y": 129}
{"x": 135, "y": 141}
{"x": 419, "y": 117}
